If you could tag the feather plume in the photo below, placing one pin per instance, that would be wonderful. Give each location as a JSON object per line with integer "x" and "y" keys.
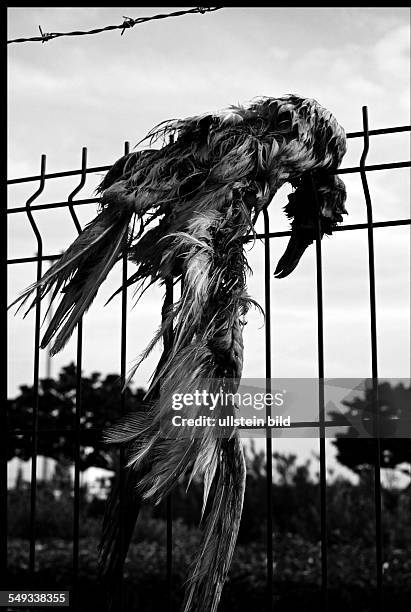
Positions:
{"x": 196, "y": 199}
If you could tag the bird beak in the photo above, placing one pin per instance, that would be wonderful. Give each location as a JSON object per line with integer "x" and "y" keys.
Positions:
{"x": 298, "y": 243}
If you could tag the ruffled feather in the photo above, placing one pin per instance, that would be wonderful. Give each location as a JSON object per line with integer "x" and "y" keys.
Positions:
{"x": 194, "y": 201}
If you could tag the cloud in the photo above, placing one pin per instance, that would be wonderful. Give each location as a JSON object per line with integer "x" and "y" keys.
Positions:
{"x": 392, "y": 54}
{"x": 354, "y": 74}
{"x": 99, "y": 91}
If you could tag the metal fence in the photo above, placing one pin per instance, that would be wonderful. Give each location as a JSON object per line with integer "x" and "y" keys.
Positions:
{"x": 34, "y": 432}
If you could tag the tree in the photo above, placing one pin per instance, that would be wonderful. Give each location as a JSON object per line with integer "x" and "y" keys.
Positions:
{"x": 393, "y": 403}
{"x": 100, "y": 407}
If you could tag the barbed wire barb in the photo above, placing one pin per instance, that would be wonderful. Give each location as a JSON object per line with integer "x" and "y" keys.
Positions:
{"x": 128, "y": 22}
{"x": 45, "y": 36}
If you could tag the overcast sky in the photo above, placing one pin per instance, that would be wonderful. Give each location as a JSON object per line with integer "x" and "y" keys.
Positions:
{"x": 98, "y": 91}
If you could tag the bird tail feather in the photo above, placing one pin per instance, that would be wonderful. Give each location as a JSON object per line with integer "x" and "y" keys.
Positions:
{"x": 220, "y": 531}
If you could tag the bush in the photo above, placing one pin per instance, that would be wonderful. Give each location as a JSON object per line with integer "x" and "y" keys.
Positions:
{"x": 297, "y": 574}
{"x": 296, "y": 546}
{"x": 54, "y": 515}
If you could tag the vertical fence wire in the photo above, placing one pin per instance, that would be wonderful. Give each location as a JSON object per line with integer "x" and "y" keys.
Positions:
{"x": 3, "y": 491}
{"x": 321, "y": 404}
{"x": 78, "y": 404}
{"x": 268, "y": 440}
{"x": 4, "y": 441}
{"x": 123, "y": 397}
{"x": 168, "y": 343}
{"x": 374, "y": 367}
{"x": 36, "y": 367}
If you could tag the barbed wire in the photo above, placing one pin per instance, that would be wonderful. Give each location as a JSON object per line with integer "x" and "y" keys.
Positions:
{"x": 127, "y": 23}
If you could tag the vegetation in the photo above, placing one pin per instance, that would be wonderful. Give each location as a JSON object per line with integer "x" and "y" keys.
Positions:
{"x": 296, "y": 534}
{"x": 100, "y": 408}
{"x": 393, "y": 404}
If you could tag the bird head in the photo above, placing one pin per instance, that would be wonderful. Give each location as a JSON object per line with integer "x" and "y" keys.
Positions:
{"x": 319, "y": 197}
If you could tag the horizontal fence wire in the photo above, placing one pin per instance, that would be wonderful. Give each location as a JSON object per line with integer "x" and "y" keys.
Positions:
{"x": 78, "y": 433}
{"x": 69, "y": 431}
{"x": 352, "y": 170}
{"x": 344, "y": 228}
{"x": 393, "y": 130}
